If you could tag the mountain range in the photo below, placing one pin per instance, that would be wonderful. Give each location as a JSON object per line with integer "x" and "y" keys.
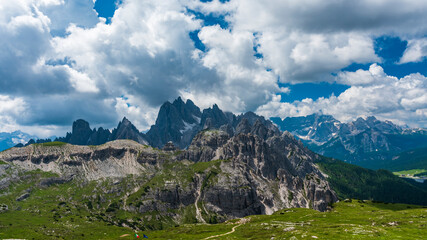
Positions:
{"x": 192, "y": 166}
{"x": 8, "y": 140}
{"x": 365, "y": 142}
{"x": 177, "y": 122}
{"x": 225, "y": 172}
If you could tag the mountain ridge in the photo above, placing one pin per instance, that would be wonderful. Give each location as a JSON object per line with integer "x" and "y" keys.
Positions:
{"x": 233, "y": 176}
{"x": 365, "y": 142}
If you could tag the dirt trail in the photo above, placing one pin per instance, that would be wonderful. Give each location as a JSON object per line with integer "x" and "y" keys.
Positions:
{"x": 240, "y": 223}
{"x": 125, "y": 198}
{"x": 199, "y": 193}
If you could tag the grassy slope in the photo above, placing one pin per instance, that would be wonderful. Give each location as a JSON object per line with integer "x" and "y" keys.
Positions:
{"x": 348, "y": 220}
{"x": 350, "y": 181}
{"x": 77, "y": 210}
{"x": 411, "y": 172}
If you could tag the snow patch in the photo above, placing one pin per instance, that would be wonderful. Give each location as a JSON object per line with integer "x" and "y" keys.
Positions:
{"x": 198, "y": 120}
{"x": 187, "y": 127}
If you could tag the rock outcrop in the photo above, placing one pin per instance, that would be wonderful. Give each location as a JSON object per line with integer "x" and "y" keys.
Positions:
{"x": 126, "y": 130}
{"x": 177, "y": 122}
{"x": 82, "y": 134}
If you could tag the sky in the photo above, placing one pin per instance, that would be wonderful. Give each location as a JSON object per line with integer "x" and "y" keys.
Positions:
{"x": 100, "y": 60}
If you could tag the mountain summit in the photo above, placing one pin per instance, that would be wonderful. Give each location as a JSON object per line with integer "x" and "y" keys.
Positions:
{"x": 179, "y": 122}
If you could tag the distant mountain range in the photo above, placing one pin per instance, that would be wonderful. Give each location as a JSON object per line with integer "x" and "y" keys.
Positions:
{"x": 366, "y": 142}
{"x": 8, "y": 140}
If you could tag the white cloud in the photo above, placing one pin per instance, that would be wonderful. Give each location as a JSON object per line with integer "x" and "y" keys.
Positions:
{"x": 141, "y": 115}
{"x": 375, "y": 75}
{"x": 400, "y": 100}
{"x": 309, "y": 40}
{"x": 244, "y": 78}
{"x": 12, "y": 106}
{"x": 81, "y": 82}
{"x": 416, "y": 51}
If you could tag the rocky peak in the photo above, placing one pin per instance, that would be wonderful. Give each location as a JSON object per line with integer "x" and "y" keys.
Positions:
{"x": 177, "y": 122}
{"x": 189, "y": 112}
{"x": 99, "y": 136}
{"x": 126, "y": 130}
{"x": 228, "y": 129}
{"x": 217, "y": 116}
{"x": 260, "y": 130}
{"x": 81, "y": 132}
{"x": 243, "y": 126}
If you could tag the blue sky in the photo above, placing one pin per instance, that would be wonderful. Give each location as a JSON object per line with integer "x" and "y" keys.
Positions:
{"x": 107, "y": 59}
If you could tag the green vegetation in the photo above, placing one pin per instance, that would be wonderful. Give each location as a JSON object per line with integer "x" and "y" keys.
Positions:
{"x": 350, "y": 181}
{"x": 412, "y": 173}
{"x": 74, "y": 210}
{"x": 51, "y": 144}
{"x": 94, "y": 210}
{"x": 58, "y": 212}
{"x": 2, "y": 162}
{"x": 348, "y": 220}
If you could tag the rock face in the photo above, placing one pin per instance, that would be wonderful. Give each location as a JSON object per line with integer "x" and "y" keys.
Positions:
{"x": 279, "y": 171}
{"x": 90, "y": 163}
{"x": 82, "y": 134}
{"x": 179, "y": 122}
{"x": 366, "y": 142}
{"x": 220, "y": 175}
{"x": 126, "y": 130}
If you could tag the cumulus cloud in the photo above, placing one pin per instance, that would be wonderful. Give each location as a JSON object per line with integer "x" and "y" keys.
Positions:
{"x": 415, "y": 52}
{"x": 146, "y": 52}
{"x": 309, "y": 40}
{"x": 140, "y": 113}
{"x": 401, "y": 100}
{"x": 244, "y": 78}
